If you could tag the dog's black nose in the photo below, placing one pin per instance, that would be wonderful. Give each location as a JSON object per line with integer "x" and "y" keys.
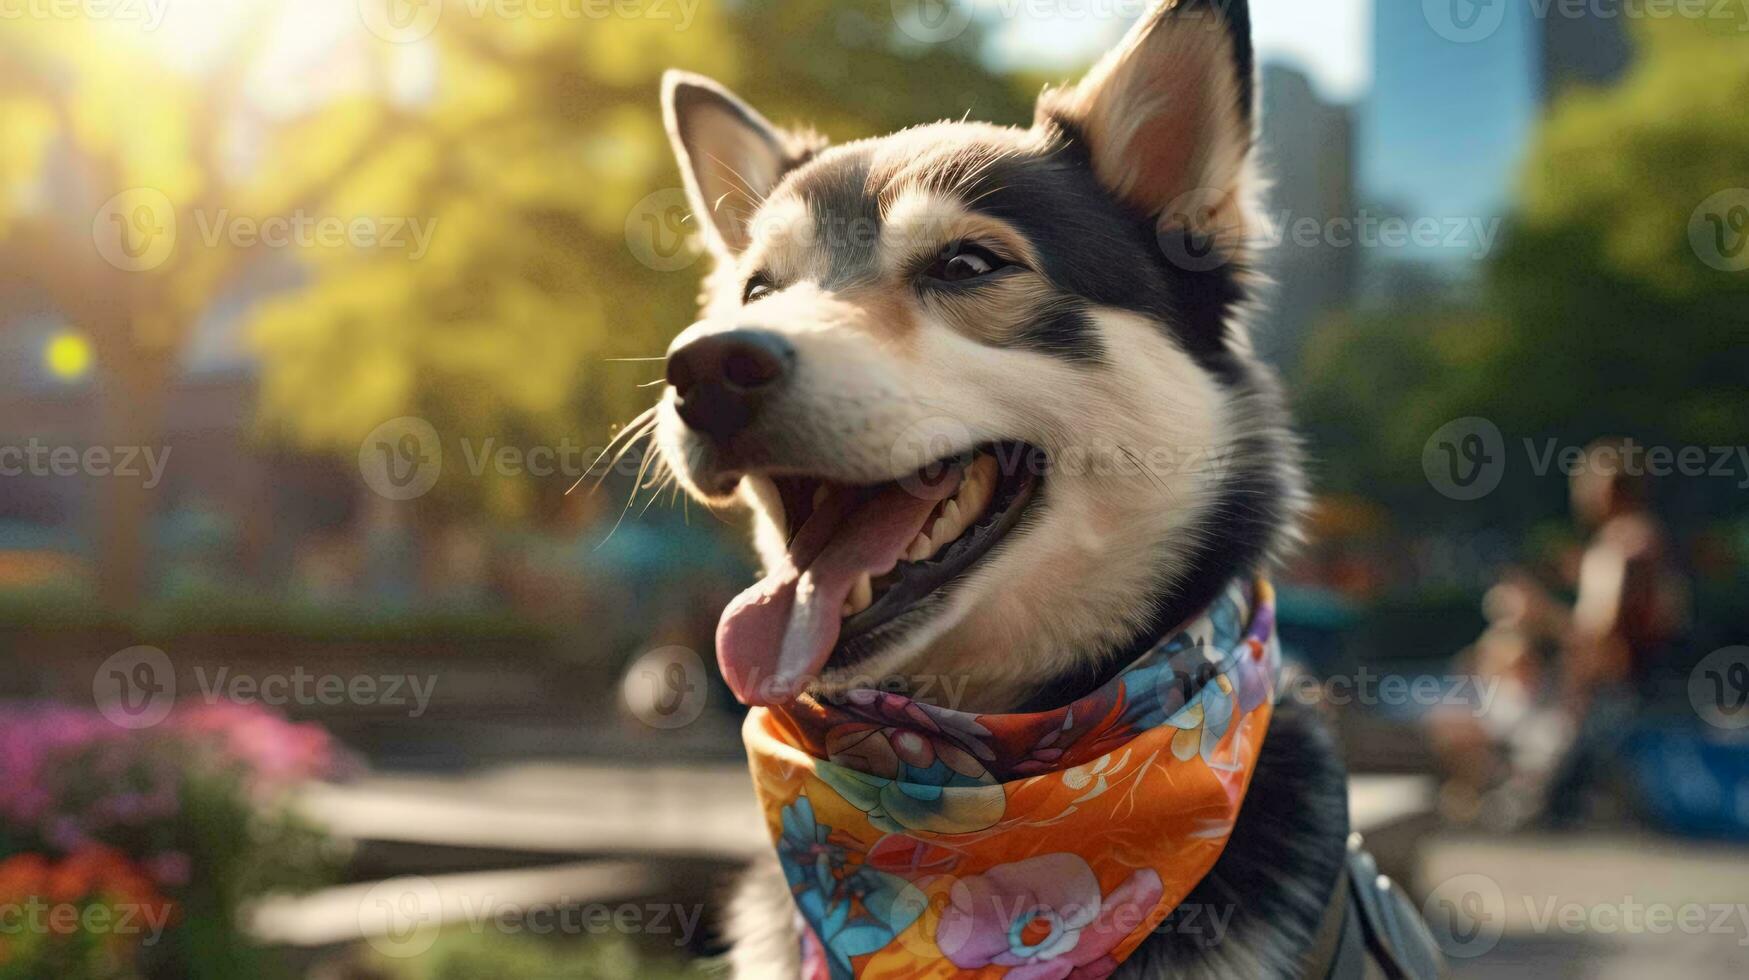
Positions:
{"x": 722, "y": 379}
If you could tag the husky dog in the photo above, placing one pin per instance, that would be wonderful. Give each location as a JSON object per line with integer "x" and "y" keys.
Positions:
{"x": 1059, "y": 314}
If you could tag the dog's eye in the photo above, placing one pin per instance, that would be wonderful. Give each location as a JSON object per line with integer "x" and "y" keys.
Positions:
{"x": 758, "y": 287}
{"x": 961, "y": 261}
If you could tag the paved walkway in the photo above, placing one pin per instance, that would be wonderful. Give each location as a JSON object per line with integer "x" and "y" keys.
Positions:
{"x": 1592, "y": 907}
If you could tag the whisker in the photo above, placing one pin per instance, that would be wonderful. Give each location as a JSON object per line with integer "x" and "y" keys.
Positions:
{"x": 647, "y": 431}
{"x": 629, "y": 433}
{"x": 657, "y": 493}
{"x": 644, "y": 465}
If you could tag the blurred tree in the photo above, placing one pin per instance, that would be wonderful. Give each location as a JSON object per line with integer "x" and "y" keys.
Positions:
{"x": 528, "y": 148}
{"x": 104, "y": 150}
{"x": 537, "y": 150}
{"x": 1628, "y": 311}
{"x": 1615, "y": 304}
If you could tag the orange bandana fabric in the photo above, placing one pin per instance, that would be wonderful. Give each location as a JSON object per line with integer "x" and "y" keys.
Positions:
{"x": 923, "y": 842}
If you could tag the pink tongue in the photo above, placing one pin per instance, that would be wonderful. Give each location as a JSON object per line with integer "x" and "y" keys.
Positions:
{"x": 776, "y": 636}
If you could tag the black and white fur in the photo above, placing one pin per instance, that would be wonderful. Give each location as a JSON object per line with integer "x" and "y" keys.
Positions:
{"x": 1120, "y": 341}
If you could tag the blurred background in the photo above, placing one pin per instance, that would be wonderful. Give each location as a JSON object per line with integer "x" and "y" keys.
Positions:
{"x": 312, "y": 312}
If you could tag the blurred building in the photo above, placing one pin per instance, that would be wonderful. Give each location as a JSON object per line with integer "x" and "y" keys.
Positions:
{"x": 227, "y": 508}
{"x": 1308, "y": 153}
{"x": 1589, "y": 50}
{"x": 1452, "y": 110}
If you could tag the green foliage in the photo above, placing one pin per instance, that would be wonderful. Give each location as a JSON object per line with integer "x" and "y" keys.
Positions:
{"x": 1607, "y": 290}
{"x": 1351, "y": 396}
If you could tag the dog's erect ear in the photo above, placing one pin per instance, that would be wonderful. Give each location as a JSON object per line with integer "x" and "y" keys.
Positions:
{"x": 1168, "y": 117}
{"x": 730, "y": 156}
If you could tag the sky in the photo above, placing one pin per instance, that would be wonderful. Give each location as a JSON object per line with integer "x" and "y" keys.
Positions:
{"x": 1327, "y": 39}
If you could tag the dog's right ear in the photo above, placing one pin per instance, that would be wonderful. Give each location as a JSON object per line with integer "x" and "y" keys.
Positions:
{"x": 730, "y": 156}
{"x": 1167, "y": 117}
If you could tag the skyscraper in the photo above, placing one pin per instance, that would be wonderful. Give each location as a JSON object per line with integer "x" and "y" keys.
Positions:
{"x": 1458, "y": 89}
{"x": 1307, "y": 152}
{"x": 1450, "y": 111}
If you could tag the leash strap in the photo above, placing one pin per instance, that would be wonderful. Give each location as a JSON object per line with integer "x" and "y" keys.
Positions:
{"x": 1379, "y": 934}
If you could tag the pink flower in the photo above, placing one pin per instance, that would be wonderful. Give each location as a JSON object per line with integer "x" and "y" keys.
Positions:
{"x": 1044, "y": 917}
{"x": 277, "y": 752}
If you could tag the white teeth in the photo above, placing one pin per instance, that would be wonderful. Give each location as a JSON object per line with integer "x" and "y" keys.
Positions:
{"x": 965, "y": 508}
{"x": 861, "y": 595}
{"x": 977, "y": 486}
{"x": 920, "y": 548}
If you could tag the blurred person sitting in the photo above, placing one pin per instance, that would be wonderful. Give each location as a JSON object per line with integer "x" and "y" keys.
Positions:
{"x": 1496, "y": 753}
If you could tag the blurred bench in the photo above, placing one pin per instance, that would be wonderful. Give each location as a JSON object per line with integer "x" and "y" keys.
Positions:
{"x": 584, "y": 833}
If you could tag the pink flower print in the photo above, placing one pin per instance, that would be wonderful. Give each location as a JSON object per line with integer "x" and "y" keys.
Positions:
{"x": 1044, "y": 918}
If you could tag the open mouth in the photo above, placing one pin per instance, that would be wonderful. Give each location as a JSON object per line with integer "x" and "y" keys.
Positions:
{"x": 861, "y": 559}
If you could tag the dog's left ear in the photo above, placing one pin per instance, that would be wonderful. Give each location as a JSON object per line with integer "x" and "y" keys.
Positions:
{"x": 1167, "y": 117}
{"x": 730, "y": 156}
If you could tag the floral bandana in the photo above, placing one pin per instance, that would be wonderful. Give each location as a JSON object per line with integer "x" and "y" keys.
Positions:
{"x": 923, "y": 842}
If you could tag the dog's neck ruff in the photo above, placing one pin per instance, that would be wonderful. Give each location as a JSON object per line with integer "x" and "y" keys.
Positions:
{"x": 920, "y": 841}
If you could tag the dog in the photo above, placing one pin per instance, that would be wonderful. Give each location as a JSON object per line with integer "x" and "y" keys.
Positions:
{"x": 1058, "y": 315}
